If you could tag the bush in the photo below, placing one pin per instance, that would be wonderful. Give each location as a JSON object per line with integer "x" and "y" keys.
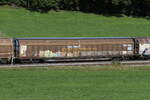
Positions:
{"x": 128, "y": 7}
{"x": 70, "y": 5}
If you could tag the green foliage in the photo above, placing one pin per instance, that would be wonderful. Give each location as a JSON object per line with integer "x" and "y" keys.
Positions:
{"x": 133, "y": 7}
{"x": 118, "y": 2}
{"x": 128, "y": 7}
{"x": 43, "y": 4}
{"x": 70, "y": 4}
{"x": 4, "y": 2}
{"x": 35, "y": 4}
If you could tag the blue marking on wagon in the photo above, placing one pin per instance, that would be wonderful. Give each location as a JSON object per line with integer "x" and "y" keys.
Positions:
{"x": 53, "y": 38}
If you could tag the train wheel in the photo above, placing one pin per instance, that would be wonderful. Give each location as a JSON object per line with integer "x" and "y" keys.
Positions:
{"x": 36, "y": 60}
{"x": 116, "y": 59}
{"x": 4, "y": 61}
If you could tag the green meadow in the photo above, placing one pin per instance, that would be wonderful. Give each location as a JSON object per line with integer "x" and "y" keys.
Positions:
{"x": 95, "y": 83}
{"x": 19, "y": 22}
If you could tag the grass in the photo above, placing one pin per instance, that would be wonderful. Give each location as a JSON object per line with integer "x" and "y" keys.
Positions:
{"x": 75, "y": 83}
{"x": 18, "y": 22}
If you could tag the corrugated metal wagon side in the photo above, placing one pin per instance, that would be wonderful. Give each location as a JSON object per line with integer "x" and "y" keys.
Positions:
{"x": 6, "y": 50}
{"x": 46, "y": 48}
{"x": 74, "y": 48}
{"x": 109, "y": 47}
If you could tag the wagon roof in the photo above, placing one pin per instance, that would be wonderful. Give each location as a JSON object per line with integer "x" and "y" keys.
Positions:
{"x": 45, "y": 38}
{"x": 144, "y": 39}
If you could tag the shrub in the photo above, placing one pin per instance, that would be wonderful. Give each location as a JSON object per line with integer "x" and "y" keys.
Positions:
{"x": 128, "y": 7}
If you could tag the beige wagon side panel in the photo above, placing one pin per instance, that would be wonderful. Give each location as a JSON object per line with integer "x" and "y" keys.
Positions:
{"x": 75, "y": 48}
{"x": 6, "y": 48}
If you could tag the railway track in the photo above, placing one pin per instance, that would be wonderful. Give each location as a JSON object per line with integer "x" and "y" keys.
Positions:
{"x": 90, "y": 63}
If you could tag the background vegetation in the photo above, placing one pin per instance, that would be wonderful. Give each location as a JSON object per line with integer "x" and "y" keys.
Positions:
{"x": 117, "y": 7}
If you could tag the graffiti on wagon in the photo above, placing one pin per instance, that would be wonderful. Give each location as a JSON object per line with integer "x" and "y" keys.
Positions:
{"x": 70, "y": 51}
{"x": 76, "y": 49}
{"x": 49, "y": 53}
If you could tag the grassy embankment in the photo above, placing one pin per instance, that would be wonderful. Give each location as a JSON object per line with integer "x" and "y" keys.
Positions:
{"x": 18, "y": 22}
{"x": 75, "y": 84}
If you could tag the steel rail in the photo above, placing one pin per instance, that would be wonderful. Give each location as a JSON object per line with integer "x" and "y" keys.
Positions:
{"x": 90, "y": 63}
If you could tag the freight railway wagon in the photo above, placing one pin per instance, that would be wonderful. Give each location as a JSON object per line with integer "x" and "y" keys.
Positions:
{"x": 6, "y": 50}
{"x": 72, "y": 49}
